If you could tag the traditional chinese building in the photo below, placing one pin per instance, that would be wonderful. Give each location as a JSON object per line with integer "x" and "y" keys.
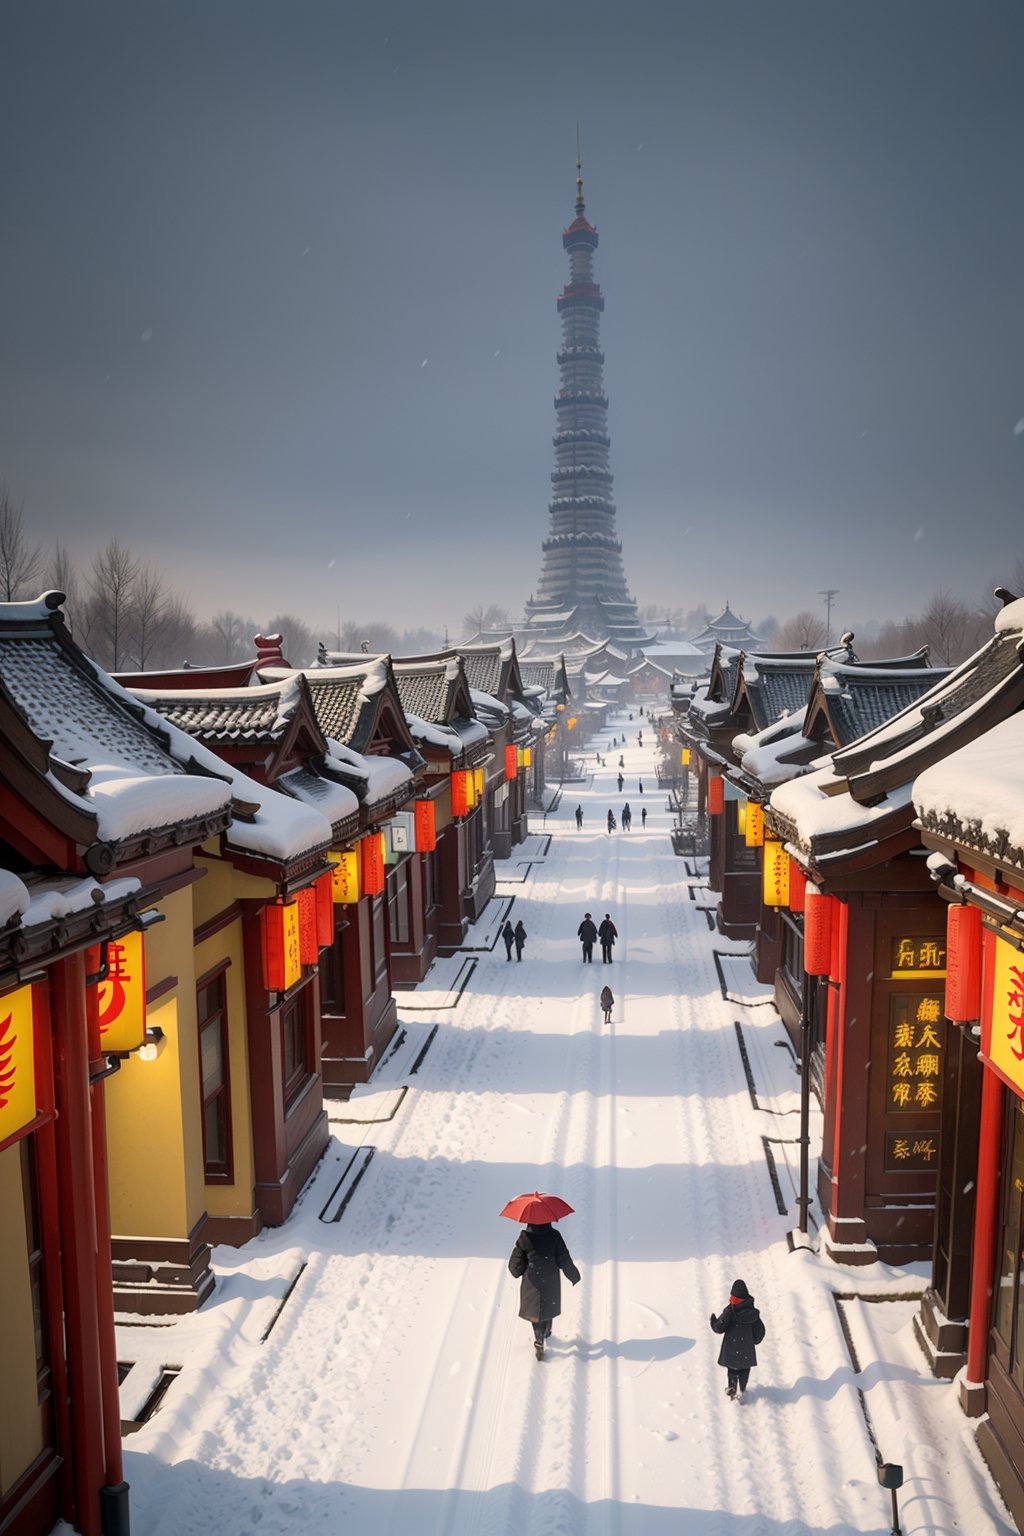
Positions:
{"x": 582, "y": 586}
{"x": 99, "y": 823}
{"x": 850, "y": 826}
{"x": 970, "y": 810}
{"x": 727, "y": 630}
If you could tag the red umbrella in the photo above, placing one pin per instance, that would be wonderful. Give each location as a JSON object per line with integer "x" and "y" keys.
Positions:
{"x": 536, "y": 1208}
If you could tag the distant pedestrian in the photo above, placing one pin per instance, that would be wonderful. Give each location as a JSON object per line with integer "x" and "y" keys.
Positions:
{"x": 743, "y": 1329}
{"x": 641, "y": 709}
{"x": 621, "y": 781}
{"x": 579, "y": 816}
{"x": 640, "y": 784}
{"x": 538, "y": 1261}
{"x": 607, "y": 933}
{"x": 611, "y": 821}
{"x": 640, "y": 738}
{"x": 520, "y": 938}
{"x": 643, "y": 816}
{"x": 622, "y": 762}
{"x": 508, "y": 934}
{"x": 627, "y": 817}
{"x": 607, "y": 1003}
{"x": 587, "y": 935}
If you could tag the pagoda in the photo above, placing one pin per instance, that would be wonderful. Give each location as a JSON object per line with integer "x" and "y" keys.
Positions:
{"x": 582, "y": 587}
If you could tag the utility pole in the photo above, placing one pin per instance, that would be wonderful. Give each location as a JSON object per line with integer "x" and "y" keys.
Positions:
{"x": 828, "y": 594}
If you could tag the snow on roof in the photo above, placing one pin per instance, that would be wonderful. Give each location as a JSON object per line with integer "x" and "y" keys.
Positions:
{"x": 326, "y": 795}
{"x": 50, "y": 900}
{"x": 767, "y": 755}
{"x": 489, "y": 704}
{"x": 1011, "y": 617}
{"x": 980, "y": 788}
{"x": 812, "y": 805}
{"x": 382, "y": 777}
{"x": 228, "y": 714}
{"x": 14, "y": 897}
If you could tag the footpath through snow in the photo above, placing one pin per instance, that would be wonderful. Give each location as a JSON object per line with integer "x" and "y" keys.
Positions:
{"x": 371, "y": 1374}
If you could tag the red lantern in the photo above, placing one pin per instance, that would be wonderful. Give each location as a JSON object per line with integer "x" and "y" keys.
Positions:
{"x": 324, "y": 910}
{"x": 371, "y": 857}
{"x": 511, "y": 762}
{"x": 309, "y": 950}
{"x": 817, "y": 932}
{"x": 716, "y": 795}
{"x": 426, "y": 826}
{"x": 797, "y": 886}
{"x": 963, "y": 964}
{"x": 282, "y": 966}
{"x": 460, "y": 794}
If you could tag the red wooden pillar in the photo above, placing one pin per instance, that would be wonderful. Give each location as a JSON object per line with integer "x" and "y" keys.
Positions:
{"x": 78, "y": 1237}
{"x": 986, "y": 1222}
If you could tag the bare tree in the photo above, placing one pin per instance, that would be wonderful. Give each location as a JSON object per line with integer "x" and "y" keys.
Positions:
{"x": 150, "y": 599}
{"x": 112, "y": 582}
{"x": 805, "y": 631}
{"x": 947, "y": 625}
{"x": 228, "y": 637}
{"x": 298, "y": 642}
{"x": 489, "y": 616}
{"x": 20, "y": 561}
{"x": 375, "y": 636}
{"x": 179, "y": 633}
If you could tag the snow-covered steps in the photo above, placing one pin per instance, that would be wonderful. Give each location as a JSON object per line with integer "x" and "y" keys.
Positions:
{"x": 341, "y": 1194}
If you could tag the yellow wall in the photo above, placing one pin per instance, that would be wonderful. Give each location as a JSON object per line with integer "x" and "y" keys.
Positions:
{"x": 154, "y": 1134}
{"x": 21, "y": 1437}
{"x": 233, "y": 1199}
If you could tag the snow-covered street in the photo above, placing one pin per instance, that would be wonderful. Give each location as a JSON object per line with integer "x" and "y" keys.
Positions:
{"x": 395, "y": 1390}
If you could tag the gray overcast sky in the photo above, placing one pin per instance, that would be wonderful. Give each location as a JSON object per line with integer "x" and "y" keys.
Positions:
{"x": 278, "y": 291}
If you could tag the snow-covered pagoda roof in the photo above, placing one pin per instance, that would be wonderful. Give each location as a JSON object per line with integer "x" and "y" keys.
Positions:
{"x": 90, "y": 759}
{"x": 729, "y": 630}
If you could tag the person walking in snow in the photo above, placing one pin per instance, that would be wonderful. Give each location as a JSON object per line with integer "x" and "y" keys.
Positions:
{"x": 643, "y": 816}
{"x": 538, "y": 1261}
{"x": 611, "y": 821}
{"x": 640, "y": 782}
{"x": 607, "y": 1003}
{"x": 622, "y": 761}
{"x": 640, "y": 738}
{"x": 520, "y": 938}
{"x": 587, "y": 934}
{"x": 621, "y": 782}
{"x": 508, "y": 934}
{"x": 743, "y": 1330}
{"x": 627, "y": 817}
{"x": 579, "y": 816}
{"x": 607, "y": 933}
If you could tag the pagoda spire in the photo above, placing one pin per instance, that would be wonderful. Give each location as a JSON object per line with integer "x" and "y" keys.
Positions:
{"x": 582, "y": 586}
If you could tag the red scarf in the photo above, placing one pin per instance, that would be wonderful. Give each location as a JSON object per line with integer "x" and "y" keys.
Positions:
{"x": 736, "y": 1301}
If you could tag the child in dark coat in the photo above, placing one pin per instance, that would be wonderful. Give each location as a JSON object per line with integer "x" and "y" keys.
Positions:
{"x": 743, "y": 1329}
{"x": 538, "y": 1256}
{"x": 607, "y": 1003}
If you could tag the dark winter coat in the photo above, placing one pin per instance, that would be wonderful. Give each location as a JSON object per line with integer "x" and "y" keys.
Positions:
{"x": 608, "y": 932}
{"x": 538, "y": 1256}
{"x": 743, "y": 1329}
{"x": 519, "y": 936}
{"x": 587, "y": 931}
{"x": 508, "y": 934}
{"x": 607, "y": 1001}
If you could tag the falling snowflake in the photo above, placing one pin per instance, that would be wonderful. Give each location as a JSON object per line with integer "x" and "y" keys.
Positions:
{"x": 1019, "y": 428}
{"x": 147, "y": 334}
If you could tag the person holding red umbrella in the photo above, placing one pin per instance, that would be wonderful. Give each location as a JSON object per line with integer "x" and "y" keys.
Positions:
{"x": 538, "y": 1261}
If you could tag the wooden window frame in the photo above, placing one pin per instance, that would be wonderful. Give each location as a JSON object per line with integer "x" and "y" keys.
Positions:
{"x": 297, "y": 1008}
{"x": 216, "y": 1173}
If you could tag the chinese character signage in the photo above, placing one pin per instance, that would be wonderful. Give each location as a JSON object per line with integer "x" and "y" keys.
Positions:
{"x": 753, "y": 829}
{"x": 919, "y": 957}
{"x": 912, "y": 1153}
{"x": 461, "y": 791}
{"x": 775, "y": 883}
{"x": 1004, "y": 1045}
{"x": 282, "y": 965}
{"x": 917, "y": 1038}
{"x": 372, "y": 871}
{"x": 309, "y": 948}
{"x": 511, "y": 763}
{"x": 121, "y": 999}
{"x": 426, "y": 826}
{"x": 17, "y": 1063}
{"x": 345, "y": 877}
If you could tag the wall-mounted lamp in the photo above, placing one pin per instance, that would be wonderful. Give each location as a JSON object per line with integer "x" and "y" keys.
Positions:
{"x": 153, "y": 1044}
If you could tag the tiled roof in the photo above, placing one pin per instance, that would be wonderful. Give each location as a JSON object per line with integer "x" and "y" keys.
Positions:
{"x": 483, "y": 669}
{"x": 424, "y": 691}
{"x": 69, "y": 706}
{"x": 252, "y": 716}
{"x": 863, "y": 701}
{"x": 341, "y": 708}
{"x": 779, "y": 689}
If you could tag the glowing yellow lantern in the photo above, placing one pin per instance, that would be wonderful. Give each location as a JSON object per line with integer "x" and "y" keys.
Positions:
{"x": 775, "y": 875}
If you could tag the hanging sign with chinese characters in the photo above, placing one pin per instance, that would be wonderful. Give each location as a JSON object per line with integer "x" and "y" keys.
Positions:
{"x": 754, "y": 827}
{"x": 1002, "y": 1033}
{"x": 775, "y": 881}
{"x": 371, "y": 863}
{"x": 426, "y": 826}
{"x": 17, "y": 1063}
{"x": 345, "y": 877}
{"x": 282, "y": 963}
{"x": 121, "y": 998}
{"x": 511, "y": 763}
{"x": 309, "y": 948}
{"x": 461, "y": 783}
